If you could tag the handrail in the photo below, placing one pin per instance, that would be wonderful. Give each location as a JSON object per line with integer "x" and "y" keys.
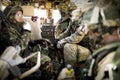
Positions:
{"x": 33, "y": 69}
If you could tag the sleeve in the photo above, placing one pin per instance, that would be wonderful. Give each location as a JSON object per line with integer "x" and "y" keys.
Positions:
{"x": 76, "y": 37}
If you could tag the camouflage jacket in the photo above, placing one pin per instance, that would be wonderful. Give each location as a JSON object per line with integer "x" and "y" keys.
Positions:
{"x": 12, "y": 36}
{"x": 74, "y": 33}
{"x": 77, "y": 32}
{"x": 62, "y": 27}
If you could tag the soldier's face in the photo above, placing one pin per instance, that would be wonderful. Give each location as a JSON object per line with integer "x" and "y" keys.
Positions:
{"x": 19, "y": 16}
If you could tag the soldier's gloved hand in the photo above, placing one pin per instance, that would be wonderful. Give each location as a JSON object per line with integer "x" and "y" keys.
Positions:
{"x": 61, "y": 43}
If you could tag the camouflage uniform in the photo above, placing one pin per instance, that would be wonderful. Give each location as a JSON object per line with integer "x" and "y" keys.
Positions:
{"x": 14, "y": 33}
{"x": 19, "y": 33}
{"x": 62, "y": 25}
{"x": 75, "y": 33}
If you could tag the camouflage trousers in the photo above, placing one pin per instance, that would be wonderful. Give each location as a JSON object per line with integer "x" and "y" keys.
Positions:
{"x": 70, "y": 53}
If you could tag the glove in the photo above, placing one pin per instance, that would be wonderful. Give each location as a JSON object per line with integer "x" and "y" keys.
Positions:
{"x": 18, "y": 48}
{"x": 61, "y": 43}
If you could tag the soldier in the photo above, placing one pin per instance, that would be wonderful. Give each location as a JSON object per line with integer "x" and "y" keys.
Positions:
{"x": 75, "y": 33}
{"x": 18, "y": 33}
{"x": 15, "y": 31}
